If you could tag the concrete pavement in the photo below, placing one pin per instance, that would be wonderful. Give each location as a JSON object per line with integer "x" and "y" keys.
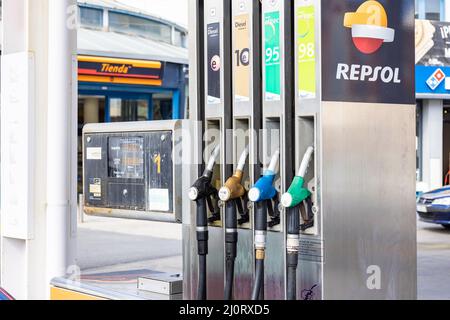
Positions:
{"x": 111, "y": 245}
{"x": 433, "y": 262}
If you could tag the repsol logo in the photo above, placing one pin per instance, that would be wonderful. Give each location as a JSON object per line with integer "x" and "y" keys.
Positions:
{"x": 116, "y": 68}
{"x": 357, "y": 72}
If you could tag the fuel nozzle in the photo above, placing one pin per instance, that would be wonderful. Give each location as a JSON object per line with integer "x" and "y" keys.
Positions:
{"x": 233, "y": 188}
{"x": 232, "y": 194}
{"x": 291, "y": 200}
{"x": 264, "y": 189}
{"x": 203, "y": 188}
{"x": 263, "y": 194}
{"x": 202, "y": 193}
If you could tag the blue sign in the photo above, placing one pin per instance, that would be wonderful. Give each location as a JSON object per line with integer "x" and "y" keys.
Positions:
{"x": 431, "y": 80}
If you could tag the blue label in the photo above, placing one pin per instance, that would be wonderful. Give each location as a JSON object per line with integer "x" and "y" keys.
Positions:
{"x": 428, "y": 80}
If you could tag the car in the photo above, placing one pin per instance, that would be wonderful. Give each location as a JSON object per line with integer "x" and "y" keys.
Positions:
{"x": 434, "y": 207}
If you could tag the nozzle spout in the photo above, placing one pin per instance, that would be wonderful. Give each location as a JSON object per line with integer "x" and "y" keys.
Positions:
{"x": 243, "y": 159}
{"x": 273, "y": 166}
{"x": 305, "y": 163}
{"x": 213, "y": 158}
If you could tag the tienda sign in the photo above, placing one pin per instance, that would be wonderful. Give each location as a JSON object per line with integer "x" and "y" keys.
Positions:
{"x": 124, "y": 71}
{"x": 116, "y": 68}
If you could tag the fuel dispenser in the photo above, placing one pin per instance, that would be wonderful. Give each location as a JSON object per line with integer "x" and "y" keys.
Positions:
{"x": 204, "y": 193}
{"x": 130, "y": 169}
{"x": 336, "y": 103}
{"x": 355, "y": 129}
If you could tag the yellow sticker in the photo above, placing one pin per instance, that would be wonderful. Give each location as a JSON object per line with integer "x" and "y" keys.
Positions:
{"x": 95, "y": 188}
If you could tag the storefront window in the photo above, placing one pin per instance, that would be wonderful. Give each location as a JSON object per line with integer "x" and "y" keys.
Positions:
{"x": 144, "y": 27}
{"x": 90, "y": 17}
{"x": 180, "y": 39}
{"x": 128, "y": 109}
{"x": 429, "y": 9}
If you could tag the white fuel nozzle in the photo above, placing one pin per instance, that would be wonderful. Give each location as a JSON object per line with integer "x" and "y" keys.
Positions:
{"x": 213, "y": 158}
{"x": 243, "y": 159}
{"x": 273, "y": 166}
{"x": 305, "y": 162}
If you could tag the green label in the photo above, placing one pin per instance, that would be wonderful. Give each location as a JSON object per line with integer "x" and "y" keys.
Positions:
{"x": 306, "y": 52}
{"x": 272, "y": 57}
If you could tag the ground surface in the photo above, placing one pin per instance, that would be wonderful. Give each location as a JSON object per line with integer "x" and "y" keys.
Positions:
{"x": 114, "y": 245}
{"x": 433, "y": 262}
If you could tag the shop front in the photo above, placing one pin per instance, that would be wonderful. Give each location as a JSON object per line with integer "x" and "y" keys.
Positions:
{"x": 116, "y": 90}
{"x": 433, "y": 103}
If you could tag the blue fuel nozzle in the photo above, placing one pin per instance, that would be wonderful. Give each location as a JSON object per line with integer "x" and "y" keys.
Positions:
{"x": 264, "y": 188}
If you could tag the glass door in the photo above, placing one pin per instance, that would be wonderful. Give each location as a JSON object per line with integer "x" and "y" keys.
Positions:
{"x": 123, "y": 109}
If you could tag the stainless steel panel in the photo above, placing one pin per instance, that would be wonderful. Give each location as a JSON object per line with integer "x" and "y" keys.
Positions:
{"x": 275, "y": 267}
{"x": 368, "y": 204}
{"x": 309, "y": 280}
{"x": 216, "y": 264}
{"x": 244, "y": 266}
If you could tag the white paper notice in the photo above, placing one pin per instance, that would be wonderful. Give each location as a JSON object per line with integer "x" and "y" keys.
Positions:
{"x": 94, "y": 153}
{"x": 159, "y": 200}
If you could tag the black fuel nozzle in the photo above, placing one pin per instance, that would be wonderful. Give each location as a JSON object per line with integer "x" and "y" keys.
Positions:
{"x": 203, "y": 192}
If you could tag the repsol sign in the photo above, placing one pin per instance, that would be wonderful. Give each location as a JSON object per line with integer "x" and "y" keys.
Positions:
{"x": 357, "y": 72}
{"x": 368, "y": 51}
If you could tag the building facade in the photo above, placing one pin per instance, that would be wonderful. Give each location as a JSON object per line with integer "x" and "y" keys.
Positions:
{"x": 131, "y": 66}
{"x": 433, "y": 93}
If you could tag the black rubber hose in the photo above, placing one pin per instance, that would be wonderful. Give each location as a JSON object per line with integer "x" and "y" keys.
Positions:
{"x": 202, "y": 248}
{"x": 260, "y": 225}
{"x": 259, "y": 280}
{"x": 231, "y": 239}
{"x": 293, "y": 220}
{"x": 229, "y": 280}
{"x": 261, "y": 216}
{"x": 293, "y": 226}
{"x": 292, "y": 276}
{"x": 201, "y": 291}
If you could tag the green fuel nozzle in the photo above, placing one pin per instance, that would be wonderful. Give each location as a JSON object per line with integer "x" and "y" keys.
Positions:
{"x": 297, "y": 193}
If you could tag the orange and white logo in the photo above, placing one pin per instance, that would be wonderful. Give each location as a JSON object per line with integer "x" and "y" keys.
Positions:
{"x": 369, "y": 26}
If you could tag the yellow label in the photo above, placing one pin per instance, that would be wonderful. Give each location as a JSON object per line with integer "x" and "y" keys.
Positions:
{"x": 242, "y": 58}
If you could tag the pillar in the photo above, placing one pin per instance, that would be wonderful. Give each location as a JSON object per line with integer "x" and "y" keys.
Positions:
{"x": 432, "y": 141}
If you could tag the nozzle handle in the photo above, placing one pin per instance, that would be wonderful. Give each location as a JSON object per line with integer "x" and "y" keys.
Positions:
{"x": 296, "y": 193}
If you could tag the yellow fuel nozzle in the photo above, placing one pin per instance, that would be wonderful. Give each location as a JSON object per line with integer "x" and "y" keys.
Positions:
{"x": 233, "y": 188}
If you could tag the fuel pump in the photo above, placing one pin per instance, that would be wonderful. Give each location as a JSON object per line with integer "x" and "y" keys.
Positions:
{"x": 233, "y": 194}
{"x": 265, "y": 197}
{"x": 203, "y": 193}
{"x": 292, "y": 200}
